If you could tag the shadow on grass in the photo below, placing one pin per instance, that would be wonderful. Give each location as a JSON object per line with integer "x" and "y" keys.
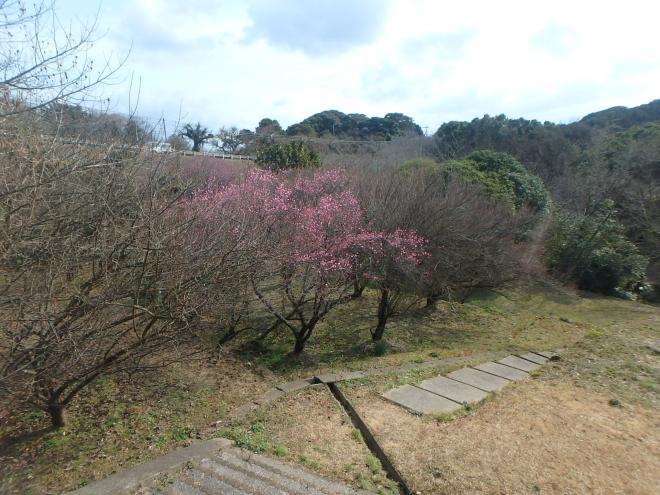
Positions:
{"x": 344, "y": 336}
{"x": 7, "y": 442}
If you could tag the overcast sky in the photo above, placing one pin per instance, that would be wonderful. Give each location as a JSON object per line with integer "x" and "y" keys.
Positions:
{"x": 233, "y": 62}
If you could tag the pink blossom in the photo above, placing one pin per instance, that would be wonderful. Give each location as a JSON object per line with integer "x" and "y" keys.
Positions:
{"x": 318, "y": 219}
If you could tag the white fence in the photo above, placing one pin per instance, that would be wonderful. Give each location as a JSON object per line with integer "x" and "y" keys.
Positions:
{"x": 221, "y": 156}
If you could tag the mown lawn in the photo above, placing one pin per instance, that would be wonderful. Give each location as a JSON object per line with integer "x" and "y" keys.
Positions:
{"x": 120, "y": 424}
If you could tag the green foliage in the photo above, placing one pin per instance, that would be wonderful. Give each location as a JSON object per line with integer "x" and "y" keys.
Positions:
{"x": 381, "y": 347}
{"x": 357, "y": 435}
{"x": 592, "y": 251}
{"x": 332, "y": 123}
{"x": 268, "y": 126}
{"x": 629, "y": 161}
{"x": 550, "y": 149}
{"x": 618, "y": 118}
{"x": 280, "y": 450}
{"x": 295, "y": 154}
{"x": 420, "y": 165}
{"x": 502, "y": 177}
{"x": 253, "y": 438}
{"x": 374, "y": 464}
{"x": 310, "y": 462}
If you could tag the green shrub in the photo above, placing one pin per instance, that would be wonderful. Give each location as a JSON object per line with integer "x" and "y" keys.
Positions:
{"x": 592, "y": 251}
{"x": 502, "y": 177}
{"x": 280, "y": 451}
{"x": 426, "y": 165}
{"x": 380, "y": 348}
{"x": 295, "y": 154}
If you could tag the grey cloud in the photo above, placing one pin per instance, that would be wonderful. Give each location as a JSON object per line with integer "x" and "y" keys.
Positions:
{"x": 320, "y": 27}
{"x": 147, "y": 34}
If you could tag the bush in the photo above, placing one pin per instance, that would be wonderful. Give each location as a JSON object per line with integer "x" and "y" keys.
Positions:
{"x": 420, "y": 165}
{"x": 592, "y": 251}
{"x": 502, "y": 177}
{"x": 295, "y": 154}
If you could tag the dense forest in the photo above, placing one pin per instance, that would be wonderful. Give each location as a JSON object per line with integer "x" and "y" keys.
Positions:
{"x": 612, "y": 155}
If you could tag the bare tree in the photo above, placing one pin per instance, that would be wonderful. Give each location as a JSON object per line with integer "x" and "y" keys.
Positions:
{"x": 229, "y": 140}
{"x": 472, "y": 240}
{"x": 103, "y": 268}
{"x": 42, "y": 61}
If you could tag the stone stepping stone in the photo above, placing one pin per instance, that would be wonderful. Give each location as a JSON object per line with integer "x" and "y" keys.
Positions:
{"x": 501, "y": 370}
{"x": 339, "y": 377}
{"x": 519, "y": 363}
{"x": 548, "y": 354}
{"x": 451, "y": 389}
{"x": 295, "y": 385}
{"x": 479, "y": 379}
{"x": 421, "y": 401}
{"x": 534, "y": 358}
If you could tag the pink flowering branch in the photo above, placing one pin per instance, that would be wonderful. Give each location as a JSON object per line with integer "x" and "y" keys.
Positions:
{"x": 310, "y": 235}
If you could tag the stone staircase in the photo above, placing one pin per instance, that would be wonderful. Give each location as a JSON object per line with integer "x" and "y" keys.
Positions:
{"x": 215, "y": 467}
{"x": 238, "y": 472}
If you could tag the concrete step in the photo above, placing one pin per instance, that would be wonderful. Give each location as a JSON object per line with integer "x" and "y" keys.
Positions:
{"x": 290, "y": 484}
{"x": 238, "y": 472}
{"x": 519, "y": 363}
{"x": 216, "y": 467}
{"x": 479, "y": 379}
{"x": 239, "y": 479}
{"x": 179, "y": 487}
{"x": 421, "y": 401}
{"x": 534, "y": 358}
{"x": 308, "y": 480}
{"x": 209, "y": 484}
{"x": 502, "y": 371}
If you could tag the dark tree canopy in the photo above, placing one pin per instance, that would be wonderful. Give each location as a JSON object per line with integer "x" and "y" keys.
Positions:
{"x": 268, "y": 127}
{"x": 622, "y": 118}
{"x": 332, "y": 123}
{"x": 198, "y": 135}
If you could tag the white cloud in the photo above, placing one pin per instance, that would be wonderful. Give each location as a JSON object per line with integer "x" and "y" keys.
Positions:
{"x": 234, "y": 62}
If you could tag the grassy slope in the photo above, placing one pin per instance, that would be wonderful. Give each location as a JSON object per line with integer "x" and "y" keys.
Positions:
{"x": 122, "y": 425}
{"x": 597, "y": 406}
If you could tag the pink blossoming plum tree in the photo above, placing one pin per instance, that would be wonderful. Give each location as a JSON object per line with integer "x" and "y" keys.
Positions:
{"x": 308, "y": 239}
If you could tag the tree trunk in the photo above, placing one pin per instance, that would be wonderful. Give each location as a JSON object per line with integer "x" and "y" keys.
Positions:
{"x": 358, "y": 288}
{"x": 300, "y": 344}
{"x": 383, "y": 313}
{"x": 57, "y": 417}
{"x": 432, "y": 300}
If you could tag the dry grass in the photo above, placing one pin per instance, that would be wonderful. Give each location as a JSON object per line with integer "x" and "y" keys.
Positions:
{"x": 484, "y": 324}
{"x": 538, "y": 437}
{"x": 311, "y": 428}
{"x": 119, "y": 425}
{"x": 587, "y": 424}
